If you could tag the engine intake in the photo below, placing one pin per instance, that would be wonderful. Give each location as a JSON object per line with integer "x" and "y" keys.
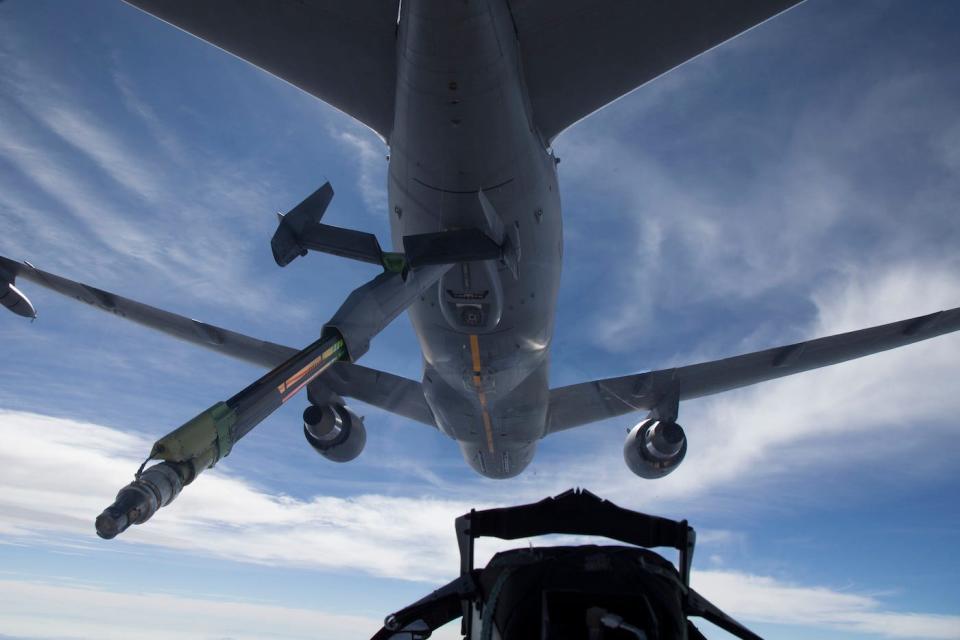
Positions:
{"x": 654, "y": 448}
{"x": 334, "y": 431}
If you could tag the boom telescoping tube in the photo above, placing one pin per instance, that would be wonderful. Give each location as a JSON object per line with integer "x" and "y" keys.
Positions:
{"x": 200, "y": 442}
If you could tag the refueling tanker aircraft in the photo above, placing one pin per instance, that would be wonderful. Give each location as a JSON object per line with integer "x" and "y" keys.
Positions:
{"x": 468, "y": 95}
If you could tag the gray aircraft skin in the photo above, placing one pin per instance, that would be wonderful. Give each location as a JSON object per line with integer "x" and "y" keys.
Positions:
{"x": 468, "y": 95}
{"x": 462, "y": 127}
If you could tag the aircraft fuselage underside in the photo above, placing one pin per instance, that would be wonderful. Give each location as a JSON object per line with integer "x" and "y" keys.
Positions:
{"x": 463, "y": 124}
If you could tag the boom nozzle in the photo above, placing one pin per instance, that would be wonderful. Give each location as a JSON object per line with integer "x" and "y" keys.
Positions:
{"x": 138, "y": 501}
{"x": 131, "y": 501}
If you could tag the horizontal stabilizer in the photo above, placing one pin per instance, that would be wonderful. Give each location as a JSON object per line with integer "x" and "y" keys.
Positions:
{"x": 286, "y": 242}
{"x": 588, "y": 402}
{"x": 300, "y": 231}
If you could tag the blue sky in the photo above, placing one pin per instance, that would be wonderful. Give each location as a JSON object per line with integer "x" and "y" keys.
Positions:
{"x": 798, "y": 181}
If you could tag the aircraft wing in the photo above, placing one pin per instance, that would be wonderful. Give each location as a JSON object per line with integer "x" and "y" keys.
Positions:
{"x": 579, "y": 56}
{"x": 587, "y": 402}
{"x": 380, "y": 389}
{"x": 393, "y": 393}
{"x": 341, "y": 52}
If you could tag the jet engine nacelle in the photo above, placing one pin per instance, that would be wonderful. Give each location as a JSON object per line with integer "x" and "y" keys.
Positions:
{"x": 336, "y": 432}
{"x": 654, "y": 448}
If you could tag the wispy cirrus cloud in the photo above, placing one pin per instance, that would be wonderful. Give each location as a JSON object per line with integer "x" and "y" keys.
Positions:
{"x": 119, "y": 192}
{"x": 749, "y": 207}
{"x": 368, "y": 154}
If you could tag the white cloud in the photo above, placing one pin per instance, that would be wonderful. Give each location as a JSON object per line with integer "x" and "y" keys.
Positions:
{"x": 362, "y": 144}
{"x": 764, "y": 599}
{"x": 222, "y": 515}
{"x": 277, "y": 529}
{"x": 130, "y": 168}
{"x": 688, "y": 244}
{"x": 58, "y": 180}
{"x": 825, "y": 417}
{"x": 41, "y": 610}
{"x": 160, "y": 130}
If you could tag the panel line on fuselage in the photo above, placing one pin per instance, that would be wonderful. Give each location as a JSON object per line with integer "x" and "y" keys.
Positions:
{"x": 491, "y": 187}
{"x": 478, "y": 383}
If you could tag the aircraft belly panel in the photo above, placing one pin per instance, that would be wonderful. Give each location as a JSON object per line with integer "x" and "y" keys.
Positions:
{"x": 516, "y": 422}
{"x": 462, "y": 126}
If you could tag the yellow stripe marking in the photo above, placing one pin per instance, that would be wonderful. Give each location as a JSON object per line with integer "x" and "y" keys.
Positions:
{"x": 489, "y": 429}
{"x": 478, "y": 383}
{"x": 475, "y": 352}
